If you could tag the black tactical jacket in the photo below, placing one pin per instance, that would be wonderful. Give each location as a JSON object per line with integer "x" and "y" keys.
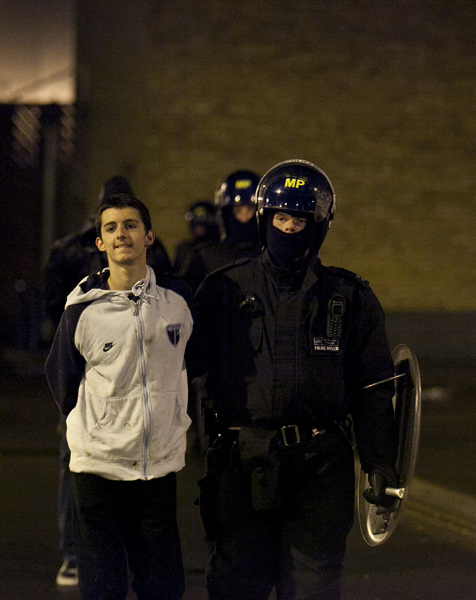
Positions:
{"x": 283, "y": 347}
{"x": 209, "y": 256}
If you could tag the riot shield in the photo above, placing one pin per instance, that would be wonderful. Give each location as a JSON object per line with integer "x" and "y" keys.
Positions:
{"x": 377, "y": 525}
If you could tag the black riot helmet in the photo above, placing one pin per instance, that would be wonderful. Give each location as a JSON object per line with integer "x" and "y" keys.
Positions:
{"x": 201, "y": 212}
{"x": 201, "y": 216}
{"x": 238, "y": 189}
{"x": 296, "y": 187}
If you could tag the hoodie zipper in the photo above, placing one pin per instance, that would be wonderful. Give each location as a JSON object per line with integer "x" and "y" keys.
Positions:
{"x": 145, "y": 393}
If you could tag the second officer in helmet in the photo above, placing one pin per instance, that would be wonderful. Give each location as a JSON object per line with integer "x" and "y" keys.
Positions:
{"x": 287, "y": 344}
{"x": 236, "y": 208}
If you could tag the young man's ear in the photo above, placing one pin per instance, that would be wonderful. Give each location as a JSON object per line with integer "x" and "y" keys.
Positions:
{"x": 100, "y": 244}
{"x": 149, "y": 238}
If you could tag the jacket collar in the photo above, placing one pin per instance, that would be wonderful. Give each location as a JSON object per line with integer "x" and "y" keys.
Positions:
{"x": 306, "y": 272}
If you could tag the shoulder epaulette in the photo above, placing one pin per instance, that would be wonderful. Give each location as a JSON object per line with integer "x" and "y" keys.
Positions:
{"x": 348, "y": 275}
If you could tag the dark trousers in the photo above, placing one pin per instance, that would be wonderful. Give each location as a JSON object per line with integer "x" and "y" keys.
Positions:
{"x": 298, "y": 545}
{"x": 127, "y": 523}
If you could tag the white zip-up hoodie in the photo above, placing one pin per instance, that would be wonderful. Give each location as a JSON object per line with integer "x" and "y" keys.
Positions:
{"x": 117, "y": 369}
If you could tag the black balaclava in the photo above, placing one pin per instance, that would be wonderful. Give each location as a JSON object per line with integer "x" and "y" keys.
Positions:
{"x": 288, "y": 250}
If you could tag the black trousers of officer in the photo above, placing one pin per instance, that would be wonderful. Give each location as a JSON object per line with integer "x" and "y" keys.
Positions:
{"x": 298, "y": 545}
{"x": 127, "y": 523}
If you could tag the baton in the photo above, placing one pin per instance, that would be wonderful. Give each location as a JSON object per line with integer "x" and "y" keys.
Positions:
{"x": 371, "y": 385}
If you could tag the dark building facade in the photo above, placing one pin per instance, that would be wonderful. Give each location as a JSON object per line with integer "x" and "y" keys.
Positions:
{"x": 36, "y": 166}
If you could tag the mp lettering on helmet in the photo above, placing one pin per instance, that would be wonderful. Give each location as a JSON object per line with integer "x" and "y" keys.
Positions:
{"x": 242, "y": 184}
{"x": 293, "y": 182}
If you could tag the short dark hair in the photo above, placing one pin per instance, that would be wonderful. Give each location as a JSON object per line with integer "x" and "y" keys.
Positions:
{"x": 123, "y": 201}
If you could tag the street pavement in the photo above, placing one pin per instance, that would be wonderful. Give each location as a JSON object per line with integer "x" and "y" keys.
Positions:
{"x": 431, "y": 555}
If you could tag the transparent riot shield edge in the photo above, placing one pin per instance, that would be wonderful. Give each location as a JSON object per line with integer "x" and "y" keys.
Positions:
{"x": 377, "y": 528}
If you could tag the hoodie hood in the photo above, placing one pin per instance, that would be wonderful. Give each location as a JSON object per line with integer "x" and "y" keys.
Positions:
{"x": 94, "y": 287}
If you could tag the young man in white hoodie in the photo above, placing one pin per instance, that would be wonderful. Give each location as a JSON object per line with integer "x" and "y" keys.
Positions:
{"x": 116, "y": 369}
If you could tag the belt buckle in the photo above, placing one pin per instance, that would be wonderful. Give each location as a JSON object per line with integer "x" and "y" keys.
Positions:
{"x": 315, "y": 432}
{"x": 293, "y": 432}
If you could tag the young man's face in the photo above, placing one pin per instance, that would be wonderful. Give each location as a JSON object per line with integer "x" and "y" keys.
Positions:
{"x": 123, "y": 236}
{"x": 289, "y": 223}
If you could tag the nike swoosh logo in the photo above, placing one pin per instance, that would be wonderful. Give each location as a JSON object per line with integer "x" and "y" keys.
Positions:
{"x": 108, "y": 346}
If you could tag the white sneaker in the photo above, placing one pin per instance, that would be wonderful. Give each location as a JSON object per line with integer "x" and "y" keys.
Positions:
{"x": 68, "y": 574}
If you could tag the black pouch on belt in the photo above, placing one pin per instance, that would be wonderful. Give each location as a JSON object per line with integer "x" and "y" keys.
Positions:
{"x": 258, "y": 458}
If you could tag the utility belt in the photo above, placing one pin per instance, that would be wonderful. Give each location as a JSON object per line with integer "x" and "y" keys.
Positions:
{"x": 285, "y": 439}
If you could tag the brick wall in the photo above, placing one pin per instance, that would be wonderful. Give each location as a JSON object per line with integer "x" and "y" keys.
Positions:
{"x": 380, "y": 94}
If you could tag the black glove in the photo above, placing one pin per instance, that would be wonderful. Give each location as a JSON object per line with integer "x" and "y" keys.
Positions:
{"x": 381, "y": 478}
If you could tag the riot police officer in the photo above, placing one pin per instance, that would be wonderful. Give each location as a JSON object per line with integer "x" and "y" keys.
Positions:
{"x": 202, "y": 222}
{"x": 239, "y": 236}
{"x": 287, "y": 345}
